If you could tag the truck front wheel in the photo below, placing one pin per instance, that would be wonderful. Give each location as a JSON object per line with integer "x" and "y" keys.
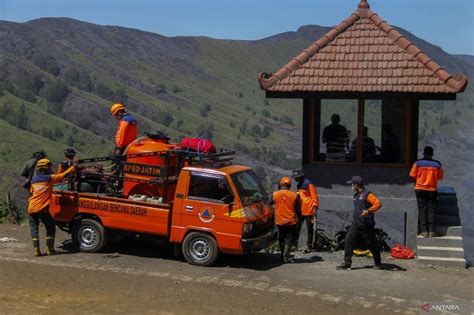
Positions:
{"x": 89, "y": 236}
{"x": 200, "y": 249}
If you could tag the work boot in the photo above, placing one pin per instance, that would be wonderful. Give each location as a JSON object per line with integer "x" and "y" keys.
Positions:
{"x": 424, "y": 234}
{"x": 50, "y": 251}
{"x": 36, "y": 247}
{"x": 344, "y": 266}
{"x": 307, "y": 250}
{"x": 286, "y": 254}
{"x": 432, "y": 234}
{"x": 37, "y": 251}
{"x": 50, "y": 246}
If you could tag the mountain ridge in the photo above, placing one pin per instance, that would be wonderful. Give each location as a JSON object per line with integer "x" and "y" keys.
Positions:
{"x": 69, "y": 71}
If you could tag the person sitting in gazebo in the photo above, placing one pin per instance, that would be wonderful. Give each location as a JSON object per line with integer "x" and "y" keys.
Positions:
{"x": 368, "y": 147}
{"x": 336, "y": 138}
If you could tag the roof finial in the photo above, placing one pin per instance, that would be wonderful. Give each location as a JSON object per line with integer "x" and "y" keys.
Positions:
{"x": 363, "y": 4}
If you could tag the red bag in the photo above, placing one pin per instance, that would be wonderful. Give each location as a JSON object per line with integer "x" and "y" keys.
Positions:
{"x": 402, "y": 252}
{"x": 198, "y": 144}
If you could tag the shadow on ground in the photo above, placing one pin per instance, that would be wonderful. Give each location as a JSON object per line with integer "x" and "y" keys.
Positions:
{"x": 385, "y": 267}
{"x": 160, "y": 249}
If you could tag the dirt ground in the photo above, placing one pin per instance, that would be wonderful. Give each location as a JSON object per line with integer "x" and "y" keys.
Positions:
{"x": 143, "y": 277}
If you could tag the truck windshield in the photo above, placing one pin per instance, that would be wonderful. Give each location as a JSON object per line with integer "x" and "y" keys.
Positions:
{"x": 249, "y": 187}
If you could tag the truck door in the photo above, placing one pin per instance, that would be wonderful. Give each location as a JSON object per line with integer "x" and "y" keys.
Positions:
{"x": 206, "y": 207}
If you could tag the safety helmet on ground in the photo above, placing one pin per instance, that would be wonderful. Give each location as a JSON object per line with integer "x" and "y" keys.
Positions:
{"x": 285, "y": 181}
{"x": 43, "y": 163}
{"x": 116, "y": 108}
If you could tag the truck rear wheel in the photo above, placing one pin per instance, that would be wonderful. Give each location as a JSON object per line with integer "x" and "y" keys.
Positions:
{"x": 200, "y": 249}
{"x": 89, "y": 236}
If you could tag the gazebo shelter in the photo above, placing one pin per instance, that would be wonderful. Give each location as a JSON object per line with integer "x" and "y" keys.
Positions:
{"x": 361, "y": 84}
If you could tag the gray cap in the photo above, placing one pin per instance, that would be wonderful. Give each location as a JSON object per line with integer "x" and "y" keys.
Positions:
{"x": 356, "y": 180}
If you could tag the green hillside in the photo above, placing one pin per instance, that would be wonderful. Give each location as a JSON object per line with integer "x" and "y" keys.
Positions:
{"x": 58, "y": 78}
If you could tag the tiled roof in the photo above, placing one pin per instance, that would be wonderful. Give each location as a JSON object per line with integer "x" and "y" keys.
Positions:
{"x": 362, "y": 54}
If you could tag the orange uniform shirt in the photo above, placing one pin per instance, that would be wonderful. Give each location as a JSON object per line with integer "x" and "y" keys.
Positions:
{"x": 374, "y": 202}
{"x": 285, "y": 207}
{"x": 127, "y": 131}
{"x": 427, "y": 173}
{"x": 42, "y": 188}
{"x": 64, "y": 165}
{"x": 308, "y": 198}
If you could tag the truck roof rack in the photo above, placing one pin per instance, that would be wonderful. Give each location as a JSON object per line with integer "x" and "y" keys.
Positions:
{"x": 220, "y": 158}
{"x": 221, "y": 155}
{"x": 215, "y": 159}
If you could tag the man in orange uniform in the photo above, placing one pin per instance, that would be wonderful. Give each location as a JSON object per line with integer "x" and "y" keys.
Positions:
{"x": 38, "y": 204}
{"x": 127, "y": 128}
{"x": 286, "y": 216}
{"x": 427, "y": 172}
{"x": 363, "y": 223}
{"x": 308, "y": 204}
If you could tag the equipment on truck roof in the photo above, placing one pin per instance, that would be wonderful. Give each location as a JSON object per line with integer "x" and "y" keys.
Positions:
{"x": 149, "y": 166}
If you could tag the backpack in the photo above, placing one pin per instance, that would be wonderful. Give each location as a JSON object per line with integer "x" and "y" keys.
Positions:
{"x": 199, "y": 145}
{"x": 402, "y": 252}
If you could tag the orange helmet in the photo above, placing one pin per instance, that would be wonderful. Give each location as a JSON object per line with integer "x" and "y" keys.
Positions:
{"x": 285, "y": 181}
{"x": 116, "y": 108}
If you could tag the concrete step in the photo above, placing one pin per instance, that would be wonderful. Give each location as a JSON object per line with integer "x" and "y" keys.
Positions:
{"x": 446, "y": 191}
{"x": 447, "y": 200}
{"x": 443, "y": 261}
{"x": 447, "y": 230}
{"x": 442, "y": 241}
{"x": 438, "y": 251}
{"x": 447, "y": 219}
{"x": 448, "y": 209}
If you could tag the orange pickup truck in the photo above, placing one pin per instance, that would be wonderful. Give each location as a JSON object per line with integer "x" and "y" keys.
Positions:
{"x": 201, "y": 202}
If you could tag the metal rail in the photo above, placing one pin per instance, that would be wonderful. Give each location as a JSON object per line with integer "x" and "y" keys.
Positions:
{"x": 184, "y": 153}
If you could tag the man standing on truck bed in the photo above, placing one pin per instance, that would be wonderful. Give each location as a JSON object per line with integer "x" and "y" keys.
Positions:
{"x": 309, "y": 204}
{"x": 127, "y": 128}
{"x": 286, "y": 216}
{"x": 427, "y": 172}
{"x": 38, "y": 204}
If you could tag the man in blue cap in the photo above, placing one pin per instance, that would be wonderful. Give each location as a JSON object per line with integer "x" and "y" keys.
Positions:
{"x": 363, "y": 223}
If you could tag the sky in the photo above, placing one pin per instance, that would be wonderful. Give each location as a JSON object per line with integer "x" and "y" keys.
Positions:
{"x": 446, "y": 23}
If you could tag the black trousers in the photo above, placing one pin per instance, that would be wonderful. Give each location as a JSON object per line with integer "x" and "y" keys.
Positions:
{"x": 309, "y": 228}
{"x": 286, "y": 236}
{"x": 45, "y": 217}
{"x": 427, "y": 203}
{"x": 367, "y": 232}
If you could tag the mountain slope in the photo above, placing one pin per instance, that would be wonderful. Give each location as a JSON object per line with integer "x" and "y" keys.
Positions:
{"x": 59, "y": 76}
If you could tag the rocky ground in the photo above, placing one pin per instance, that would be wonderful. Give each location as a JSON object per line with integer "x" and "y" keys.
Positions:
{"x": 143, "y": 277}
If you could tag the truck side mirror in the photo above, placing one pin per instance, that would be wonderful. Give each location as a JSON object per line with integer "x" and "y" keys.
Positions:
{"x": 228, "y": 199}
